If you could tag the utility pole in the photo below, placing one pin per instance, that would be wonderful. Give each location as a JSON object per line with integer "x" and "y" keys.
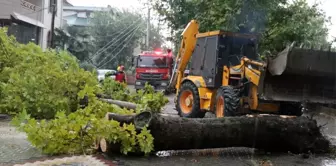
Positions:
{"x": 148, "y": 26}
{"x": 54, "y": 10}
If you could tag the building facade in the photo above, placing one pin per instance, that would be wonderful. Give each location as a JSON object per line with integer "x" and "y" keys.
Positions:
{"x": 30, "y": 20}
{"x": 78, "y": 15}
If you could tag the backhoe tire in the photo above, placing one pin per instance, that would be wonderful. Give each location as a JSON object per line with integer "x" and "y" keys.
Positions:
{"x": 189, "y": 109}
{"x": 293, "y": 109}
{"x": 227, "y": 101}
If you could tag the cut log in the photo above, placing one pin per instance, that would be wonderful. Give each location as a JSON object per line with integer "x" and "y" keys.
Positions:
{"x": 269, "y": 133}
{"x": 104, "y": 145}
{"x": 122, "y": 104}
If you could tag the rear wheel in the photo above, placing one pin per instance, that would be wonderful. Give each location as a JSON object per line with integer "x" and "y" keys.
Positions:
{"x": 227, "y": 101}
{"x": 188, "y": 101}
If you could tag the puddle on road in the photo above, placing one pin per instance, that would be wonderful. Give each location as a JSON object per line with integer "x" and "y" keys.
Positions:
{"x": 328, "y": 163}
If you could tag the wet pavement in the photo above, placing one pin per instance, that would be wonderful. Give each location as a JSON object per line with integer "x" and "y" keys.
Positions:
{"x": 275, "y": 160}
{"x": 14, "y": 145}
{"x": 15, "y": 148}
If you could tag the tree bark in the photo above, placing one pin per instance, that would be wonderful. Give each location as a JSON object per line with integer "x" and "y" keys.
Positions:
{"x": 122, "y": 119}
{"x": 122, "y": 104}
{"x": 103, "y": 96}
{"x": 263, "y": 132}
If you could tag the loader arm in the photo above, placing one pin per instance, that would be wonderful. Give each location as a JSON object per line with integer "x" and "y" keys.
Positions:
{"x": 183, "y": 57}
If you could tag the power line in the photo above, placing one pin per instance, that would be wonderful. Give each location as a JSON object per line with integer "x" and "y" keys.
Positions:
{"x": 112, "y": 42}
{"x": 107, "y": 45}
{"x": 129, "y": 34}
{"x": 120, "y": 49}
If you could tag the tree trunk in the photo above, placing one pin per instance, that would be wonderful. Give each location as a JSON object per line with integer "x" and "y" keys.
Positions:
{"x": 122, "y": 104}
{"x": 103, "y": 96}
{"x": 123, "y": 119}
{"x": 263, "y": 132}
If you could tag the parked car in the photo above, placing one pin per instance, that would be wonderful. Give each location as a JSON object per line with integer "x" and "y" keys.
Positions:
{"x": 102, "y": 73}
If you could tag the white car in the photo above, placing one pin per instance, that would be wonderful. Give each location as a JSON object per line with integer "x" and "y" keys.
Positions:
{"x": 102, "y": 72}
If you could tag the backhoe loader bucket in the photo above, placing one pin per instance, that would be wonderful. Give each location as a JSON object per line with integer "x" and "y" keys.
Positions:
{"x": 301, "y": 75}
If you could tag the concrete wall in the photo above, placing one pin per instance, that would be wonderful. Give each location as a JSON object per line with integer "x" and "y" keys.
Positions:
{"x": 38, "y": 10}
{"x": 7, "y": 7}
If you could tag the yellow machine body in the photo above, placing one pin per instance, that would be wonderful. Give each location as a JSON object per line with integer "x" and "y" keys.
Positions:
{"x": 226, "y": 78}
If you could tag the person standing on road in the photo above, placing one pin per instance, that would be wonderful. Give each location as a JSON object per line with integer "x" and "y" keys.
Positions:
{"x": 121, "y": 75}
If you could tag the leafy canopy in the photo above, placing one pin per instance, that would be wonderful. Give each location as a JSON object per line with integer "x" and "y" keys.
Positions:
{"x": 278, "y": 21}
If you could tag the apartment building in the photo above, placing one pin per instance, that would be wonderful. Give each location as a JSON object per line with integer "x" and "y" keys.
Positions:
{"x": 30, "y": 20}
{"x": 79, "y": 15}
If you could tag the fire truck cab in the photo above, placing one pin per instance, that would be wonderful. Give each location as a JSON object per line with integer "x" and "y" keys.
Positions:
{"x": 154, "y": 68}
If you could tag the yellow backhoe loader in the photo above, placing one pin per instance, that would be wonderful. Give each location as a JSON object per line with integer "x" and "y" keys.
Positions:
{"x": 226, "y": 77}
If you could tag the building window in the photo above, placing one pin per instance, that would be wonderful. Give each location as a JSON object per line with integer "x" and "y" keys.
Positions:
{"x": 51, "y": 3}
{"x": 24, "y": 33}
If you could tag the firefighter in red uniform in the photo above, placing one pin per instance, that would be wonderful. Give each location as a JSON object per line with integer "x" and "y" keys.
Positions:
{"x": 121, "y": 75}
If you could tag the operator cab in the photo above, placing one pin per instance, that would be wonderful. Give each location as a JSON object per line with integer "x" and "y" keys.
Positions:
{"x": 216, "y": 49}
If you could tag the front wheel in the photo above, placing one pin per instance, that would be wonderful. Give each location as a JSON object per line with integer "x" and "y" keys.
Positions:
{"x": 188, "y": 101}
{"x": 227, "y": 101}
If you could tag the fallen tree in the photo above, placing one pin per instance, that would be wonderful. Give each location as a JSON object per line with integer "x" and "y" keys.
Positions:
{"x": 264, "y": 132}
{"x": 122, "y": 104}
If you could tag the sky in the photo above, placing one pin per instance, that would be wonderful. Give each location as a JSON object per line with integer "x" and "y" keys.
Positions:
{"x": 327, "y": 5}
{"x": 104, "y": 3}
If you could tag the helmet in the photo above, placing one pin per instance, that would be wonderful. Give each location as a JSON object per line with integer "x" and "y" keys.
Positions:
{"x": 121, "y": 68}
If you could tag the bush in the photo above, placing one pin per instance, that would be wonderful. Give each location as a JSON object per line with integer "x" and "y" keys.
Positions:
{"x": 41, "y": 83}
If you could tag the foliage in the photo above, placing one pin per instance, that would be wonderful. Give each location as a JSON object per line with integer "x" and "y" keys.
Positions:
{"x": 124, "y": 31}
{"x": 75, "y": 133}
{"x": 151, "y": 101}
{"x": 41, "y": 83}
{"x": 121, "y": 30}
{"x": 37, "y": 85}
{"x": 115, "y": 90}
{"x": 155, "y": 39}
{"x": 296, "y": 23}
{"x": 76, "y": 40}
{"x": 147, "y": 99}
{"x": 278, "y": 21}
{"x": 87, "y": 66}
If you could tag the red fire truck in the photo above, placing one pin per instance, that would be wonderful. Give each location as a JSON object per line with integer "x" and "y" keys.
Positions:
{"x": 153, "y": 67}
